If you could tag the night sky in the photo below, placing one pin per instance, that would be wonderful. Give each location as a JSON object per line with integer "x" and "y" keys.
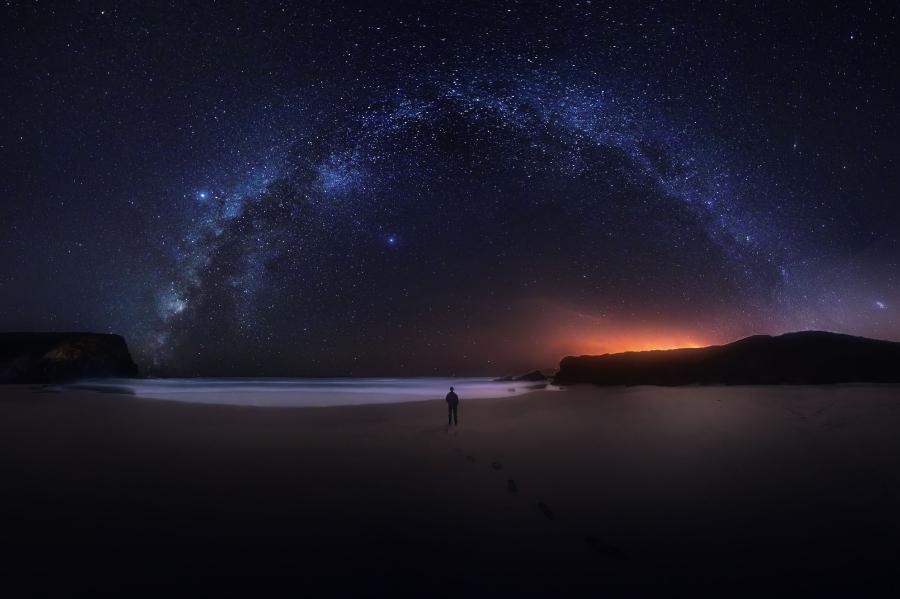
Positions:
{"x": 463, "y": 188}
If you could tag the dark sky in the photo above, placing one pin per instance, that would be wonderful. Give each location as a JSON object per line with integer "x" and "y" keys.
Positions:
{"x": 471, "y": 187}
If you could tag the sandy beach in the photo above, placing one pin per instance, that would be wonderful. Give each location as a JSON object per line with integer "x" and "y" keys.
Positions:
{"x": 618, "y": 491}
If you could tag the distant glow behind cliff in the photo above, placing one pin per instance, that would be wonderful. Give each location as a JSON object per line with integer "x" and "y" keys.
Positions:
{"x": 630, "y": 342}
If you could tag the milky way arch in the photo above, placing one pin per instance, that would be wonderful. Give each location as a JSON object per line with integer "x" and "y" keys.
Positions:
{"x": 424, "y": 178}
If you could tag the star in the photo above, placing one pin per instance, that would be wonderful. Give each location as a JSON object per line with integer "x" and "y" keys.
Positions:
{"x": 502, "y": 168}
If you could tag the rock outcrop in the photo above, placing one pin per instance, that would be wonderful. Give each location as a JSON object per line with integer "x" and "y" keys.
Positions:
{"x": 810, "y": 357}
{"x": 53, "y": 357}
{"x": 533, "y": 376}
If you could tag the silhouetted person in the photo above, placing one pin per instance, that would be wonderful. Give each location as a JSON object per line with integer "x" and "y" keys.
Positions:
{"x": 452, "y": 407}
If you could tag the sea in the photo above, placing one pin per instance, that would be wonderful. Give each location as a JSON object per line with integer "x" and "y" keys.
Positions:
{"x": 307, "y": 392}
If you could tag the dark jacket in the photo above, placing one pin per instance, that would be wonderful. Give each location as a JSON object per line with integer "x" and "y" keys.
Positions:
{"x": 452, "y": 399}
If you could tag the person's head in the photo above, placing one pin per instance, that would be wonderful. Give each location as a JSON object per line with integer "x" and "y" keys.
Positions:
{"x": 451, "y": 388}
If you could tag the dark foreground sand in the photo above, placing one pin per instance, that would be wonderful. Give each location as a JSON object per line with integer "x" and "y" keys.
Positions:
{"x": 622, "y": 492}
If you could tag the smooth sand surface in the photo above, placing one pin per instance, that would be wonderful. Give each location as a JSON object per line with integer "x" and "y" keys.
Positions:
{"x": 623, "y": 491}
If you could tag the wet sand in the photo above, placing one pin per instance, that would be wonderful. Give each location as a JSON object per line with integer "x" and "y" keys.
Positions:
{"x": 620, "y": 492}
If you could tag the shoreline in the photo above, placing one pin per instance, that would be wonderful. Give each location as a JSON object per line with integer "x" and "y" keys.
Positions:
{"x": 303, "y": 392}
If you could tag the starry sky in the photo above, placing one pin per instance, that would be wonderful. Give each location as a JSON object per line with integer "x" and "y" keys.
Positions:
{"x": 415, "y": 188}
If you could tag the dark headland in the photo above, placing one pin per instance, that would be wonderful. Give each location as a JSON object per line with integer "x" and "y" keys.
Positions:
{"x": 53, "y": 357}
{"x": 804, "y": 358}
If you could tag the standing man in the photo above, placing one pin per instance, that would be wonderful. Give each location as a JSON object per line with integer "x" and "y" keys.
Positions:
{"x": 452, "y": 407}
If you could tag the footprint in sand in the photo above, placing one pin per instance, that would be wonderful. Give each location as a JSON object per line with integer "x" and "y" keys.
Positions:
{"x": 511, "y": 486}
{"x": 545, "y": 509}
{"x": 604, "y": 549}
{"x": 496, "y": 465}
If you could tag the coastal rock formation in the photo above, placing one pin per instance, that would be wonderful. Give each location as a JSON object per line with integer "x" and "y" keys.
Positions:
{"x": 52, "y": 357}
{"x": 533, "y": 376}
{"x": 810, "y": 357}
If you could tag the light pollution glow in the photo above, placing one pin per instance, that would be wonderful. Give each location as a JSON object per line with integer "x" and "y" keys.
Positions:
{"x": 633, "y": 341}
{"x": 556, "y": 330}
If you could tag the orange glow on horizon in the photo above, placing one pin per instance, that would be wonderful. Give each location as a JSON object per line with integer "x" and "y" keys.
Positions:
{"x": 556, "y": 330}
{"x": 597, "y": 344}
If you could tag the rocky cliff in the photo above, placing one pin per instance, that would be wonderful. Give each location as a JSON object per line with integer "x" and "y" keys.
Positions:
{"x": 51, "y": 357}
{"x": 810, "y": 357}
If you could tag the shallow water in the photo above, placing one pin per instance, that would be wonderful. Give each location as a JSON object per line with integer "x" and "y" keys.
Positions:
{"x": 318, "y": 392}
